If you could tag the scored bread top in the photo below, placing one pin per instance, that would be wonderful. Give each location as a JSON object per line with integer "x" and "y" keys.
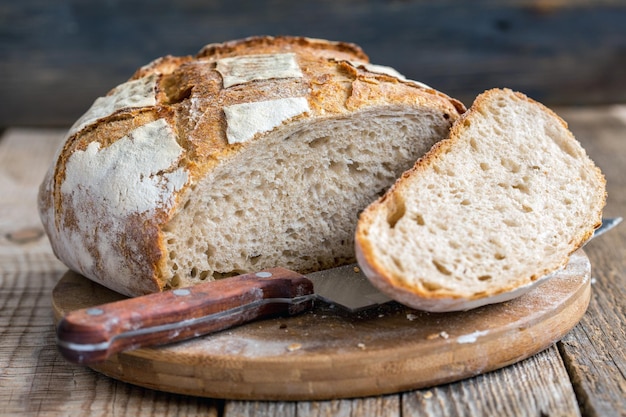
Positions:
{"x": 487, "y": 212}
{"x": 127, "y": 162}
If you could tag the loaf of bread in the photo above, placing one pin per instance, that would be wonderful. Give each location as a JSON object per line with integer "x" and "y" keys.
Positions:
{"x": 255, "y": 153}
{"x": 486, "y": 213}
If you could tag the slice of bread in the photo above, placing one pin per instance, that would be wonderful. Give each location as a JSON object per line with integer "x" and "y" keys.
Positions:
{"x": 252, "y": 154}
{"x": 487, "y": 212}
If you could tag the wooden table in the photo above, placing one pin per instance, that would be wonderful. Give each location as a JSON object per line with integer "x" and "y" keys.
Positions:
{"x": 584, "y": 374}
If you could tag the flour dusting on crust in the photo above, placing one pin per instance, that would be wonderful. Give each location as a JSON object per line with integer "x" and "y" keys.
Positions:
{"x": 247, "y": 119}
{"x": 247, "y": 68}
{"x": 135, "y": 176}
{"x": 136, "y": 93}
{"x": 383, "y": 69}
{"x": 124, "y": 177}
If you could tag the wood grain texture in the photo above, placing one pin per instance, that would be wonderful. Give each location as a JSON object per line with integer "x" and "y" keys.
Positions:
{"x": 594, "y": 351}
{"x": 538, "y": 386}
{"x": 57, "y": 57}
{"x": 541, "y": 389}
{"x": 24, "y": 158}
{"x": 384, "y": 406}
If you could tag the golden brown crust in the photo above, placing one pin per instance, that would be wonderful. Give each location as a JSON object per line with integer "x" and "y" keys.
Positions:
{"x": 271, "y": 44}
{"x": 163, "y": 65}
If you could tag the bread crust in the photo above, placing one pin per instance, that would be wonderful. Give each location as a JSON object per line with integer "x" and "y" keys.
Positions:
{"x": 444, "y": 300}
{"x": 178, "y": 107}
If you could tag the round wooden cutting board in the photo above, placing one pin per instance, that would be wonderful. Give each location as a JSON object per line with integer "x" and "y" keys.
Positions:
{"x": 326, "y": 354}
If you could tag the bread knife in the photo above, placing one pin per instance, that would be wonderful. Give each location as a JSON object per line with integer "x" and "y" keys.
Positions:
{"x": 93, "y": 334}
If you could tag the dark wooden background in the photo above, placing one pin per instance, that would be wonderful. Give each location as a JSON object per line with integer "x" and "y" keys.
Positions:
{"x": 57, "y": 56}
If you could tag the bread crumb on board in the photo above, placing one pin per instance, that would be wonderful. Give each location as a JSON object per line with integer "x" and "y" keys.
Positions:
{"x": 442, "y": 335}
{"x": 411, "y": 316}
{"x": 294, "y": 346}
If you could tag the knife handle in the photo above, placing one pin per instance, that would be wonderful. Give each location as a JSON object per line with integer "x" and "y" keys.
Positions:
{"x": 92, "y": 334}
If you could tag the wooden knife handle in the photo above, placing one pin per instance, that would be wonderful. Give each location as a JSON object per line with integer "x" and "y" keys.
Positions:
{"x": 93, "y": 334}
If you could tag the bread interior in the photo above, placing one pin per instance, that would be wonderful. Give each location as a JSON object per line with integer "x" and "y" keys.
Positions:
{"x": 497, "y": 206}
{"x": 292, "y": 199}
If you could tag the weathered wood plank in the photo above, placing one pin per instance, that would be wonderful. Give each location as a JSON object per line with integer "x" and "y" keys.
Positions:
{"x": 538, "y": 386}
{"x": 594, "y": 351}
{"x": 57, "y": 57}
{"x": 259, "y": 409}
{"x": 36, "y": 381}
{"x": 25, "y": 155}
{"x": 385, "y": 406}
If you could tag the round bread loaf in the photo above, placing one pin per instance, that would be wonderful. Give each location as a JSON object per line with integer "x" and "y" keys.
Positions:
{"x": 255, "y": 153}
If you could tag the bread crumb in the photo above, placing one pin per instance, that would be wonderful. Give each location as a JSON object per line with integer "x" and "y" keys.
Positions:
{"x": 294, "y": 346}
{"x": 442, "y": 335}
{"x": 428, "y": 394}
{"x": 361, "y": 346}
{"x": 593, "y": 281}
{"x": 27, "y": 235}
{"x": 411, "y": 317}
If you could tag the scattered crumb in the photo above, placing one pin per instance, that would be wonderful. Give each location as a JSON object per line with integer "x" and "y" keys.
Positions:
{"x": 381, "y": 315}
{"x": 23, "y": 236}
{"x": 442, "y": 335}
{"x": 411, "y": 317}
{"x": 361, "y": 346}
{"x": 356, "y": 269}
{"x": 593, "y": 281}
{"x": 428, "y": 395}
{"x": 294, "y": 346}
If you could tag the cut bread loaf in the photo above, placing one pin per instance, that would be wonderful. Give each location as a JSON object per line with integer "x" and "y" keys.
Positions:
{"x": 487, "y": 212}
{"x": 253, "y": 154}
